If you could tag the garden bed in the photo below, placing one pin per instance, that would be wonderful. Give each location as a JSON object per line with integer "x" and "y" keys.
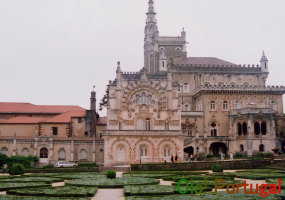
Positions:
{"x": 8, "y": 186}
{"x": 31, "y": 179}
{"x": 111, "y": 183}
{"x": 9, "y": 197}
{"x": 56, "y": 192}
{"x": 147, "y": 190}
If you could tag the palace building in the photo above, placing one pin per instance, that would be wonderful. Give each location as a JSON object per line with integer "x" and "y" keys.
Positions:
{"x": 173, "y": 107}
{"x": 178, "y": 105}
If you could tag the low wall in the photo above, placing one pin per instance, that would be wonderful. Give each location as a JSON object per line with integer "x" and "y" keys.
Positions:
{"x": 56, "y": 170}
{"x": 203, "y": 165}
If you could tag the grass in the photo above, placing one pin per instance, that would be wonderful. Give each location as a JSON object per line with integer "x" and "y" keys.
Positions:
{"x": 56, "y": 191}
{"x": 275, "y": 181}
{"x": 147, "y": 190}
{"x": 8, "y": 186}
{"x": 112, "y": 183}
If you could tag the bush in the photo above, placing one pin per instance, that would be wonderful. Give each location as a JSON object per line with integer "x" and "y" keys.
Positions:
{"x": 17, "y": 169}
{"x": 3, "y": 159}
{"x": 111, "y": 174}
{"x": 87, "y": 164}
{"x": 48, "y": 167}
{"x": 238, "y": 155}
{"x": 217, "y": 168}
{"x": 28, "y": 162}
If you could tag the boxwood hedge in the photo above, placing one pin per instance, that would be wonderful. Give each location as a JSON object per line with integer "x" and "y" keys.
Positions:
{"x": 8, "y": 186}
{"x": 147, "y": 190}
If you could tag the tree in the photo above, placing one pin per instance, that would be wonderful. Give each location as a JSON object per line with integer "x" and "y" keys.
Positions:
{"x": 104, "y": 100}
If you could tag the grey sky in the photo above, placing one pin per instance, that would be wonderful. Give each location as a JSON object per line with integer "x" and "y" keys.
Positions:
{"x": 53, "y": 51}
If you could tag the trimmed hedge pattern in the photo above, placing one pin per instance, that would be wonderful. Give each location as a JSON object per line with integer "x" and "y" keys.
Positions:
{"x": 8, "y": 186}
{"x": 147, "y": 190}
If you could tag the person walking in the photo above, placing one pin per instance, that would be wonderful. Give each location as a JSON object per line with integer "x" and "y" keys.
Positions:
{"x": 5, "y": 168}
{"x": 231, "y": 156}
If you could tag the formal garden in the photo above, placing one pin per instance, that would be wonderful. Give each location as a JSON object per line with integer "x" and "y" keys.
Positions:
{"x": 215, "y": 184}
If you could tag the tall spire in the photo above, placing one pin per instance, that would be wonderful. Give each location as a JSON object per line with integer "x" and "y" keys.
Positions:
{"x": 151, "y": 14}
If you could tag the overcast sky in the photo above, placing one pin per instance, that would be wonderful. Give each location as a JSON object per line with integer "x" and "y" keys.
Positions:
{"x": 53, "y": 51}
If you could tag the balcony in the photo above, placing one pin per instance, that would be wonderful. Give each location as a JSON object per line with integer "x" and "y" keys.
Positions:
{"x": 142, "y": 133}
{"x": 192, "y": 113}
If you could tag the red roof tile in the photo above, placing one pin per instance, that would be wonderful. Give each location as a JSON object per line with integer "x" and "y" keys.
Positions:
{"x": 10, "y": 107}
{"x": 65, "y": 117}
{"x": 23, "y": 120}
{"x": 205, "y": 61}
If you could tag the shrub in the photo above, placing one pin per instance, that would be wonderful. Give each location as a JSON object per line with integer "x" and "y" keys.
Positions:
{"x": 87, "y": 164}
{"x": 48, "y": 167}
{"x": 111, "y": 174}
{"x": 217, "y": 168}
{"x": 28, "y": 162}
{"x": 238, "y": 155}
{"x": 3, "y": 159}
{"x": 17, "y": 169}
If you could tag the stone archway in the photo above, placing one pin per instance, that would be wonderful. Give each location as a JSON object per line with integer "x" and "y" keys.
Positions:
{"x": 218, "y": 147}
{"x": 189, "y": 150}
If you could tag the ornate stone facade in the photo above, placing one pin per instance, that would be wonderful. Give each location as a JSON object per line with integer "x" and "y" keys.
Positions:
{"x": 202, "y": 105}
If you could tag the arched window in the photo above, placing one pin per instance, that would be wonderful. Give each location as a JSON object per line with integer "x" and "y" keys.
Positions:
{"x": 186, "y": 107}
{"x": 186, "y": 87}
{"x": 4, "y": 150}
{"x": 261, "y": 104}
{"x": 178, "y": 51}
{"x": 213, "y": 129}
{"x": 239, "y": 129}
{"x": 83, "y": 154}
{"x": 213, "y": 105}
{"x": 225, "y": 105}
{"x": 44, "y": 153}
{"x": 166, "y": 151}
{"x": 25, "y": 152}
{"x": 256, "y": 128}
{"x": 144, "y": 99}
{"x": 166, "y": 126}
{"x": 261, "y": 148}
{"x": 241, "y": 148}
{"x": 244, "y": 128}
{"x": 61, "y": 154}
{"x": 263, "y": 128}
{"x": 143, "y": 151}
{"x": 236, "y": 105}
{"x": 147, "y": 124}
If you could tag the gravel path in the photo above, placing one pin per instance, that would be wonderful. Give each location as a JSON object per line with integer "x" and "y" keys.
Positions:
{"x": 109, "y": 194}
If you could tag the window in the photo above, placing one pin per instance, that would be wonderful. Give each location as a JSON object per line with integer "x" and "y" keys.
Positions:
{"x": 239, "y": 129}
{"x": 166, "y": 151}
{"x": 186, "y": 87}
{"x": 273, "y": 105}
{"x": 225, "y": 105}
{"x": 25, "y": 152}
{"x": 44, "y": 153}
{"x": 213, "y": 105}
{"x": 83, "y": 154}
{"x": 263, "y": 128}
{"x": 189, "y": 132}
{"x": 261, "y": 104}
{"x": 54, "y": 130}
{"x": 213, "y": 129}
{"x": 140, "y": 124}
{"x": 147, "y": 124}
{"x": 143, "y": 151}
{"x": 261, "y": 148}
{"x": 86, "y": 133}
{"x": 121, "y": 126}
{"x": 241, "y": 148}
{"x": 166, "y": 126}
{"x": 186, "y": 107}
{"x": 256, "y": 128}
{"x": 236, "y": 105}
{"x": 61, "y": 154}
{"x": 178, "y": 52}
{"x": 144, "y": 99}
{"x": 244, "y": 128}
{"x": 79, "y": 120}
{"x": 4, "y": 150}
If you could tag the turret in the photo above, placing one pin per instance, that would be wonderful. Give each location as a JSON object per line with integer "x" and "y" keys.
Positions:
{"x": 93, "y": 100}
{"x": 264, "y": 63}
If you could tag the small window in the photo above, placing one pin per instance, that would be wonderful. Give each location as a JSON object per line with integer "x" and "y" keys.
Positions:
{"x": 4, "y": 150}
{"x": 54, "y": 130}
{"x": 213, "y": 105}
{"x": 213, "y": 129}
{"x": 186, "y": 87}
{"x": 241, "y": 147}
{"x": 147, "y": 124}
{"x": 263, "y": 128}
{"x": 86, "y": 133}
{"x": 273, "y": 105}
{"x": 79, "y": 120}
{"x": 225, "y": 105}
{"x": 166, "y": 126}
{"x": 121, "y": 126}
{"x": 261, "y": 148}
{"x": 256, "y": 128}
{"x": 178, "y": 52}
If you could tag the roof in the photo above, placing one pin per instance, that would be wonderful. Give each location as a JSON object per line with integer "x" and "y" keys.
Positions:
{"x": 102, "y": 121}
{"x": 11, "y": 107}
{"x": 61, "y": 118}
{"x": 205, "y": 61}
{"x": 65, "y": 117}
{"x": 23, "y": 120}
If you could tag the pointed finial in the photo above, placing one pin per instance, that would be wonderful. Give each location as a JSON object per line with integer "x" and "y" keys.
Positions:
{"x": 93, "y": 88}
{"x": 263, "y": 58}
